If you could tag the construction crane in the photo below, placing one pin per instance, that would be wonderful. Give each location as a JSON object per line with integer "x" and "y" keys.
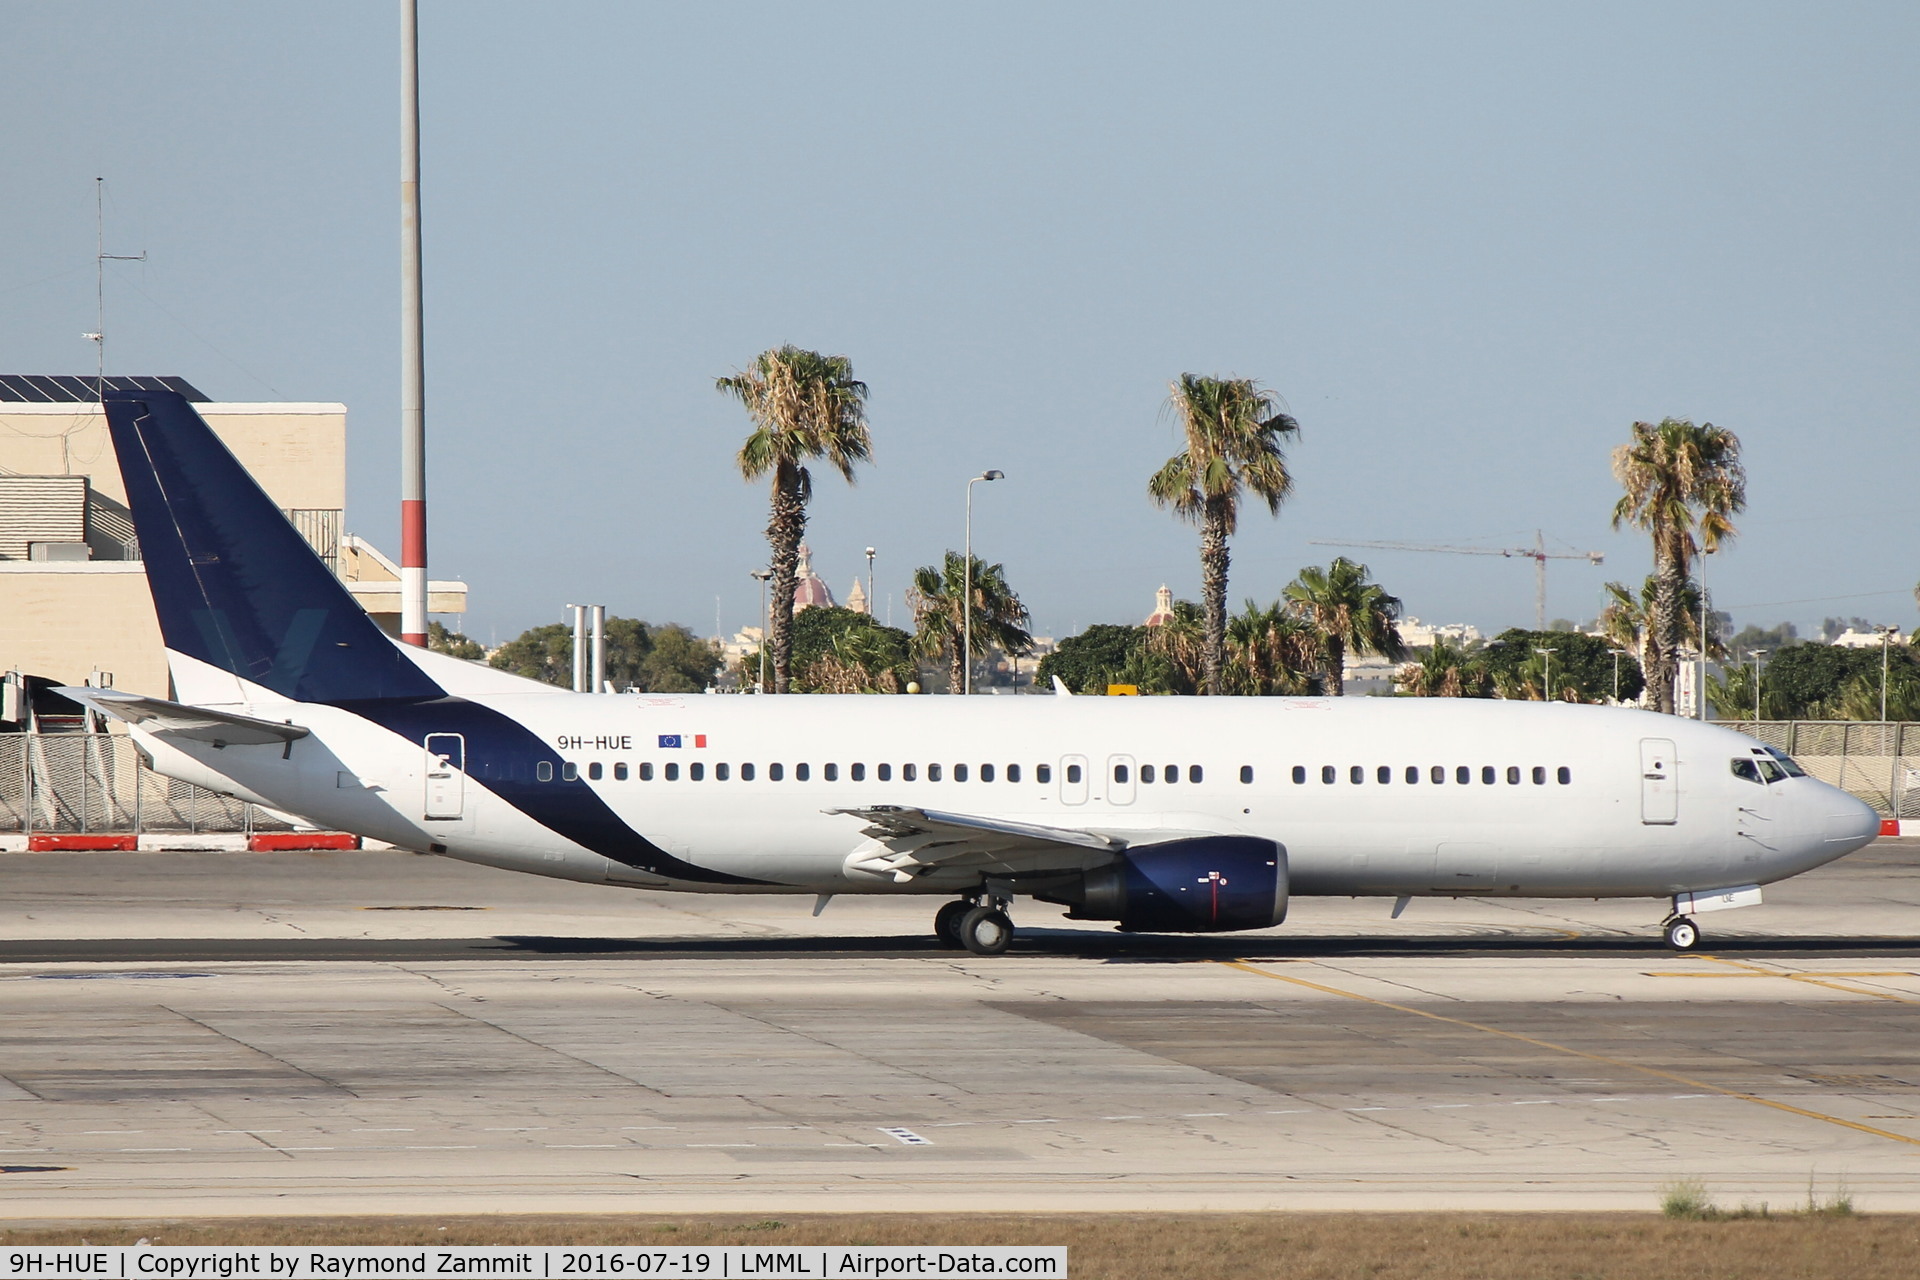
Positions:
{"x": 1537, "y": 553}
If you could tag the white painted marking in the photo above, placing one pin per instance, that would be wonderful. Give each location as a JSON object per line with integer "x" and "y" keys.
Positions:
{"x": 1201, "y": 1115}
{"x": 906, "y": 1137}
{"x": 149, "y": 1150}
{"x": 382, "y": 1131}
{"x": 1539, "y": 1102}
{"x": 1363, "y": 1108}
{"x": 468, "y": 1147}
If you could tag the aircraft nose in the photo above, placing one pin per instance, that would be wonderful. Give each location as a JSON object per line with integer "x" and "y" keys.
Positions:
{"x": 1850, "y": 824}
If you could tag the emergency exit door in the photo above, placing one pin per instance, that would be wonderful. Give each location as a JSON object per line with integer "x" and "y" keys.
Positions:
{"x": 446, "y": 776}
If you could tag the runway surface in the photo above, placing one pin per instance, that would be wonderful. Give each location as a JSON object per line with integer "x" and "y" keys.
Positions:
{"x": 230, "y": 1033}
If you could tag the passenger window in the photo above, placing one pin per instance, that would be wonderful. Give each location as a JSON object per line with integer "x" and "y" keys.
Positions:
{"x": 1356, "y": 774}
{"x": 1463, "y": 775}
{"x": 721, "y": 772}
{"x": 858, "y": 773}
{"x": 1513, "y": 775}
{"x": 1566, "y": 775}
{"x": 1413, "y": 774}
{"x": 1539, "y": 776}
{"x": 1438, "y": 773}
{"x": 543, "y": 772}
{"x": 1246, "y": 773}
{"x": 1327, "y": 774}
{"x": 569, "y": 772}
{"x": 776, "y": 772}
{"x": 1013, "y": 773}
{"x": 986, "y": 773}
{"x": 933, "y": 773}
{"x": 886, "y": 773}
{"x": 1041, "y": 773}
{"x": 673, "y": 773}
{"x": 1486, "y": 775}
{"x": 959, "y": 773}
{"x": 908, "y": 773}
{"x": 696, "y": 772}
{"x": 1073, "y": 772}
{"x": 802, "y": 772}
{"x": 1383, "y": 775}
{"x": 1119, "y": 773}
{"x": 620, "y": 771}
{"x": 746, "y": 773}
{"x": 1193, "y": 773}
{"x": 1747, "y": 771}
{"x": 1299, "y": 774}
{"x": 594, "y": 771}
{"x": 1146, "y": 773}
{"x": 646, "y": 771}
{"x": 832, "y": 772}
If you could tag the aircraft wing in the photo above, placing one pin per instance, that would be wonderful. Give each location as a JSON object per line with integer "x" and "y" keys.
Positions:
{"x": 909, "y": 842}
{"x": 176, "y": 719}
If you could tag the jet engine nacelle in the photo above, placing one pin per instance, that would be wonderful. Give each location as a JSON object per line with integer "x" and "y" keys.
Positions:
{"x": 1210, "y": 884}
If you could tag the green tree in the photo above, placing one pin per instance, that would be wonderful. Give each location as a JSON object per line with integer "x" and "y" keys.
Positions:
{"x": 454, "y": 644}
{"x": 1173, "y": 657}
{"x": 1768, "y": 638}
{"x": 1679, "y": 479}
{"x": 667, "y": 659}
{"x": 1447, "y": 670}
{"x": 938, "y": 597}
{"x": 1822, "y": 682}
{"x": 1270, "y": 652}
{"x": 1580, "y": 669}
{"x": 804, "y": 406}
{"x": 677, "y": 662}
{"x": 1092, "y": 660}
{"x": 1233, "y": 433}
{"x": 836, "y": 650}
{"x": 1349, "y": 613}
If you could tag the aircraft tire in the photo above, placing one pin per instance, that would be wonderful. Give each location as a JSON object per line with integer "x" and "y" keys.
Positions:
{"x": 1682, "y": 933}
{"x": 946, "y": 923}
{"x": 986, "y": 931}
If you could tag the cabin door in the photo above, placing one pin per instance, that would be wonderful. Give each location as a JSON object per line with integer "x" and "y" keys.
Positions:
{"x": 446, "y": 776}
{"x": 1659, "y": 782}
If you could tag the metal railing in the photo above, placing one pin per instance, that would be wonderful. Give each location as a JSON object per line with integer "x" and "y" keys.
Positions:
{"x": 79, "y": 783}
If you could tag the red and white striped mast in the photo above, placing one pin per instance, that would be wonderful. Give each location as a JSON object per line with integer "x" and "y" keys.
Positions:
{"x": 413, "y": 395}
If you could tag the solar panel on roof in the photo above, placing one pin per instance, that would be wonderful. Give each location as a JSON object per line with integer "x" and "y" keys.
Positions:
{"x": 42, "y": 388}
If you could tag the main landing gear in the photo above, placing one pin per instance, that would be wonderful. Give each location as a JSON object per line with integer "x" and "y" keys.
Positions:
{"x": 978, "y": 924}
{"x": 1682, "y": 933}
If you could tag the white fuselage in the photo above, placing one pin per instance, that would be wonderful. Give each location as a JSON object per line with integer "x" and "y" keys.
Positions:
{"x": 1556, "y": 800}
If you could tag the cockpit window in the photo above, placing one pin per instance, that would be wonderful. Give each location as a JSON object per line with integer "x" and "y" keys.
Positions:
{"x": 1746, "y": 770}
{"x": 1771, "y": 771}
{"x": 1785, "y": 761}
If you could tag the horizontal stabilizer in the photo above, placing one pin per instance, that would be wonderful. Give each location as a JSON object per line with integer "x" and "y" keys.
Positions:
{"x": 175, "y": 719}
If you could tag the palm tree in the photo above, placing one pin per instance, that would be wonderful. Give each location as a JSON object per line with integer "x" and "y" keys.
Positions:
{"x": 1270, "y": 652}
{"x": 804, "y": 406}
{"x": 938, "y": 597}
{"x": 1678, "y": 478}
{"x": 1233, "y": 435}
{"x": 1348, "y": 613}
{"x": 1180, "y": 643}
{"x": 1447, "y": 670}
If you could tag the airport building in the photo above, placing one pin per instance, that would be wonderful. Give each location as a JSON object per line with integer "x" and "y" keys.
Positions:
{"x": 74, "y": 605}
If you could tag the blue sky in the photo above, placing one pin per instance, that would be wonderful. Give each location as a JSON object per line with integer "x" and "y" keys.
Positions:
{"x": 1468, "y": 245}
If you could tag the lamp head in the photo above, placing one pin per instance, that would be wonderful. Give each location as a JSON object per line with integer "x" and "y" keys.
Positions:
{"x": 993, "y": 475}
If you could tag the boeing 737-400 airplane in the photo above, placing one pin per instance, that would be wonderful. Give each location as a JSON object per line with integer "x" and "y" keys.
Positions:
{"x": 1161, "y": 814}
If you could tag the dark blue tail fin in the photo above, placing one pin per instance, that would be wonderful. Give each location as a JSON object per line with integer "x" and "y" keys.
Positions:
{"x": 234, "y": 583}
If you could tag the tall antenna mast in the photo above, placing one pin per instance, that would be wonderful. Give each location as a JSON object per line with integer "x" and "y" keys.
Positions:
{"x": 100, "y": 259}
{"x": 413, "y": 394}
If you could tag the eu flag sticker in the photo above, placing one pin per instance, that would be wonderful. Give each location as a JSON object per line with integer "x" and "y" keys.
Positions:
{"x": 669, "y": 740}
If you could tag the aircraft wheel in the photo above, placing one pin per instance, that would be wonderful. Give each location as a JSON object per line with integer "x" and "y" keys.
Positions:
{"x": 1682, "y": 933}
{"x": 946, "y": 923}
{"x": 986, "y": 931}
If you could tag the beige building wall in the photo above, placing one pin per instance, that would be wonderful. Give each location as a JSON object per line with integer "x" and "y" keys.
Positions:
{"x": 67, "y": 621}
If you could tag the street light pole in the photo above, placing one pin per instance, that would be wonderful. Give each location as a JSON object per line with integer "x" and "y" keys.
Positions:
{"x": 1886, "y": 642}
{"x": 763, "y": 575}
{"x": 869, "y": 582}
{"x": 1616, "y": 676}
{"x": 966, "y": 585}
{"x": 1700, "y": 685}
{"x": 1546, "y": 679}
{"x": 1755, "y": 655}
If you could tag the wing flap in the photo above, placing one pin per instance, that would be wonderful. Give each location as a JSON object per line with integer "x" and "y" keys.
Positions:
{"x": 909, "y": 842}
{"x": 176, "y": 719}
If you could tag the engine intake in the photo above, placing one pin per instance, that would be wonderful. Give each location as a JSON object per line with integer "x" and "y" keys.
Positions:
{"x": 1210, "y": 884}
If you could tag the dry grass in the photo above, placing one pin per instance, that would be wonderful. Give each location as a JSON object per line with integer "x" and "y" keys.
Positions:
{"x": 1228, "y": 1246}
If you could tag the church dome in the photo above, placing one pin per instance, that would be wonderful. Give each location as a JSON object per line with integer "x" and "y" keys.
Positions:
{"x": 809, "y": 588}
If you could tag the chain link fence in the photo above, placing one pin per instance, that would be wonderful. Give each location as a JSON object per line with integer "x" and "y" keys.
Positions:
{"x": 1880, "y": 763}
{"x": 78, "y": 783}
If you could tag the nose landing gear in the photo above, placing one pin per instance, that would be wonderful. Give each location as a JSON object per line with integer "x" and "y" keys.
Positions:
{"x": 1682, "y": 933}
{"x": 979, "y": 924}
